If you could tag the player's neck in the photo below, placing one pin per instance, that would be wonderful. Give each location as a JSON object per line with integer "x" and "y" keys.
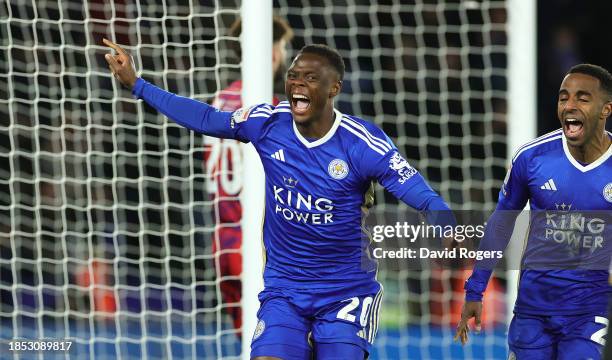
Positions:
{"x": 593, "y": 150}
{"x": 316, "y": 129}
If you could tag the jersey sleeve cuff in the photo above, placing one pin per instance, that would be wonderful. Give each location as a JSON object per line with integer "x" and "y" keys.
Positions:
{"x": 476, "y": 285}
{"x": 473, "y": 296}
{"x": 138, "y": 88}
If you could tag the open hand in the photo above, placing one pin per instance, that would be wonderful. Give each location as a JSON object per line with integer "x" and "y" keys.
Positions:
{"x": 121, "y": 65}
{"x": 471, "y": 309}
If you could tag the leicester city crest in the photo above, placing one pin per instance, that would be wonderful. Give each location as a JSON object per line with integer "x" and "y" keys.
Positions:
{"x": 607, "y": 192}
{"x": 338, "y": 169}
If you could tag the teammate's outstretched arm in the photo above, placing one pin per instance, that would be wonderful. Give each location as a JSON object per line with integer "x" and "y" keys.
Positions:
{"x": 190, "y": 113}
{"x": 496, "y": 238}
{"x": 497, "y": 234}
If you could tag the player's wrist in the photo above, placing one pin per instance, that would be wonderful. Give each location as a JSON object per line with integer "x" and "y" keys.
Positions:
{"x": 132, "y": 82}
{"x": 137, "y": 87}
{"x": 473, "y": 296}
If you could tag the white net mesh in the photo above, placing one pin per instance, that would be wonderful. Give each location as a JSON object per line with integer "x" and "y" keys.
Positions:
{"x": 105, "y": 223}
{"x": 106, "y": 228}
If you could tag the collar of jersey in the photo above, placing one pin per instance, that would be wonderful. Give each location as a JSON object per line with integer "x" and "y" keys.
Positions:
{"x": 323, "y": 140}
{"x": 591, "y": 166}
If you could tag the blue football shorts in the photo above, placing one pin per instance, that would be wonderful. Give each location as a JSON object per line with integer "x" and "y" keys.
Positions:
{"x": 329, "y": 323}
{"x": 557, "y": 337}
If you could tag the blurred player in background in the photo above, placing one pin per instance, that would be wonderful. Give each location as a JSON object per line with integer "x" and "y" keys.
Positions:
{"x": 608, "y": 348}
{"x": 222, "y": 157}
{"x": 560, "y": 312}
{"x": 319, "y": 165}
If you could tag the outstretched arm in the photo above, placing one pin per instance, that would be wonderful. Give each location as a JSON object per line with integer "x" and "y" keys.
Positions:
{"x": 190, "y": 113}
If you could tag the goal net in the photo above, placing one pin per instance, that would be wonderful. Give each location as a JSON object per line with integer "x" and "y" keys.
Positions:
{"x": 107, "y": 221}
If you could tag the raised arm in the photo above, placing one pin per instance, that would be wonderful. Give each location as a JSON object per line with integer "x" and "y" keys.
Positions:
{"x": 190, "y": 113}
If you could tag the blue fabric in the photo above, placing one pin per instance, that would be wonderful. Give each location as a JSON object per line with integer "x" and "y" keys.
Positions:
{"x": 338, "y": 351}
{"x": 281, "y": 331}
{"x": 283, "y": 350}
{"x": 565, "y": 261}
{"x": 477, "y": 284}
{"x": 312, "y": 231}
{"x": 314, "y": 190}
{"x": 556, "y": 337}
{"x": 496, "y": 237}
{"x": 338, "y": 317}
{"x": 192, "y": 114}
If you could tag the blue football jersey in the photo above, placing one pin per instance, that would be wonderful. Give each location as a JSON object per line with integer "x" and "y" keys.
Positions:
{"x": 314, "y": 193}
{"x": 568, "y": 245}
{"x": 315, "y": 188}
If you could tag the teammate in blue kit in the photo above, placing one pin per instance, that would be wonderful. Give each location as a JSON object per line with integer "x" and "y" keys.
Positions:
{"x": 319, "y": 165}
{"x": 566, "y": 175}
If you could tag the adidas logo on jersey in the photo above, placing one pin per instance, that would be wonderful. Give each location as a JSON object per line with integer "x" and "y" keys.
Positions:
{"x": 549, "y": 185}
{"x": 279, "y": 155}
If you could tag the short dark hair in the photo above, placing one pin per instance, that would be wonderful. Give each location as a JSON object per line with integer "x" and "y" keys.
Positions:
{"x": 280, "y": 31}
{"x": 603, "y": 75}
{"x": 331, "y": 55}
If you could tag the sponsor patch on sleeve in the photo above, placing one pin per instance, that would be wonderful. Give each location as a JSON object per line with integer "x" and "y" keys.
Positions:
{"x": 401, "y": 166}
{"x": 240, "y": 115}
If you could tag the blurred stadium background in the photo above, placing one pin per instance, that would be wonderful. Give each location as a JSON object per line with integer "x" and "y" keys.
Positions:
{"x": 106, "y": 223}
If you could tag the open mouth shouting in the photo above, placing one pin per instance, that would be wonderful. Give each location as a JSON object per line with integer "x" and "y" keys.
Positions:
{"x": 572, "y": 128}
{"x": 300, "y": 104}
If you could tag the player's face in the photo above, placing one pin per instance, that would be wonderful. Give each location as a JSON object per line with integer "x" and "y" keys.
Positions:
{"x": 310, "y": 86}
{"x": 581, "y": 108}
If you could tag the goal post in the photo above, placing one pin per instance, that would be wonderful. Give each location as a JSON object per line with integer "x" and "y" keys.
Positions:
{"x": 522, "y": 110}
{"x": 256, "y": 42}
